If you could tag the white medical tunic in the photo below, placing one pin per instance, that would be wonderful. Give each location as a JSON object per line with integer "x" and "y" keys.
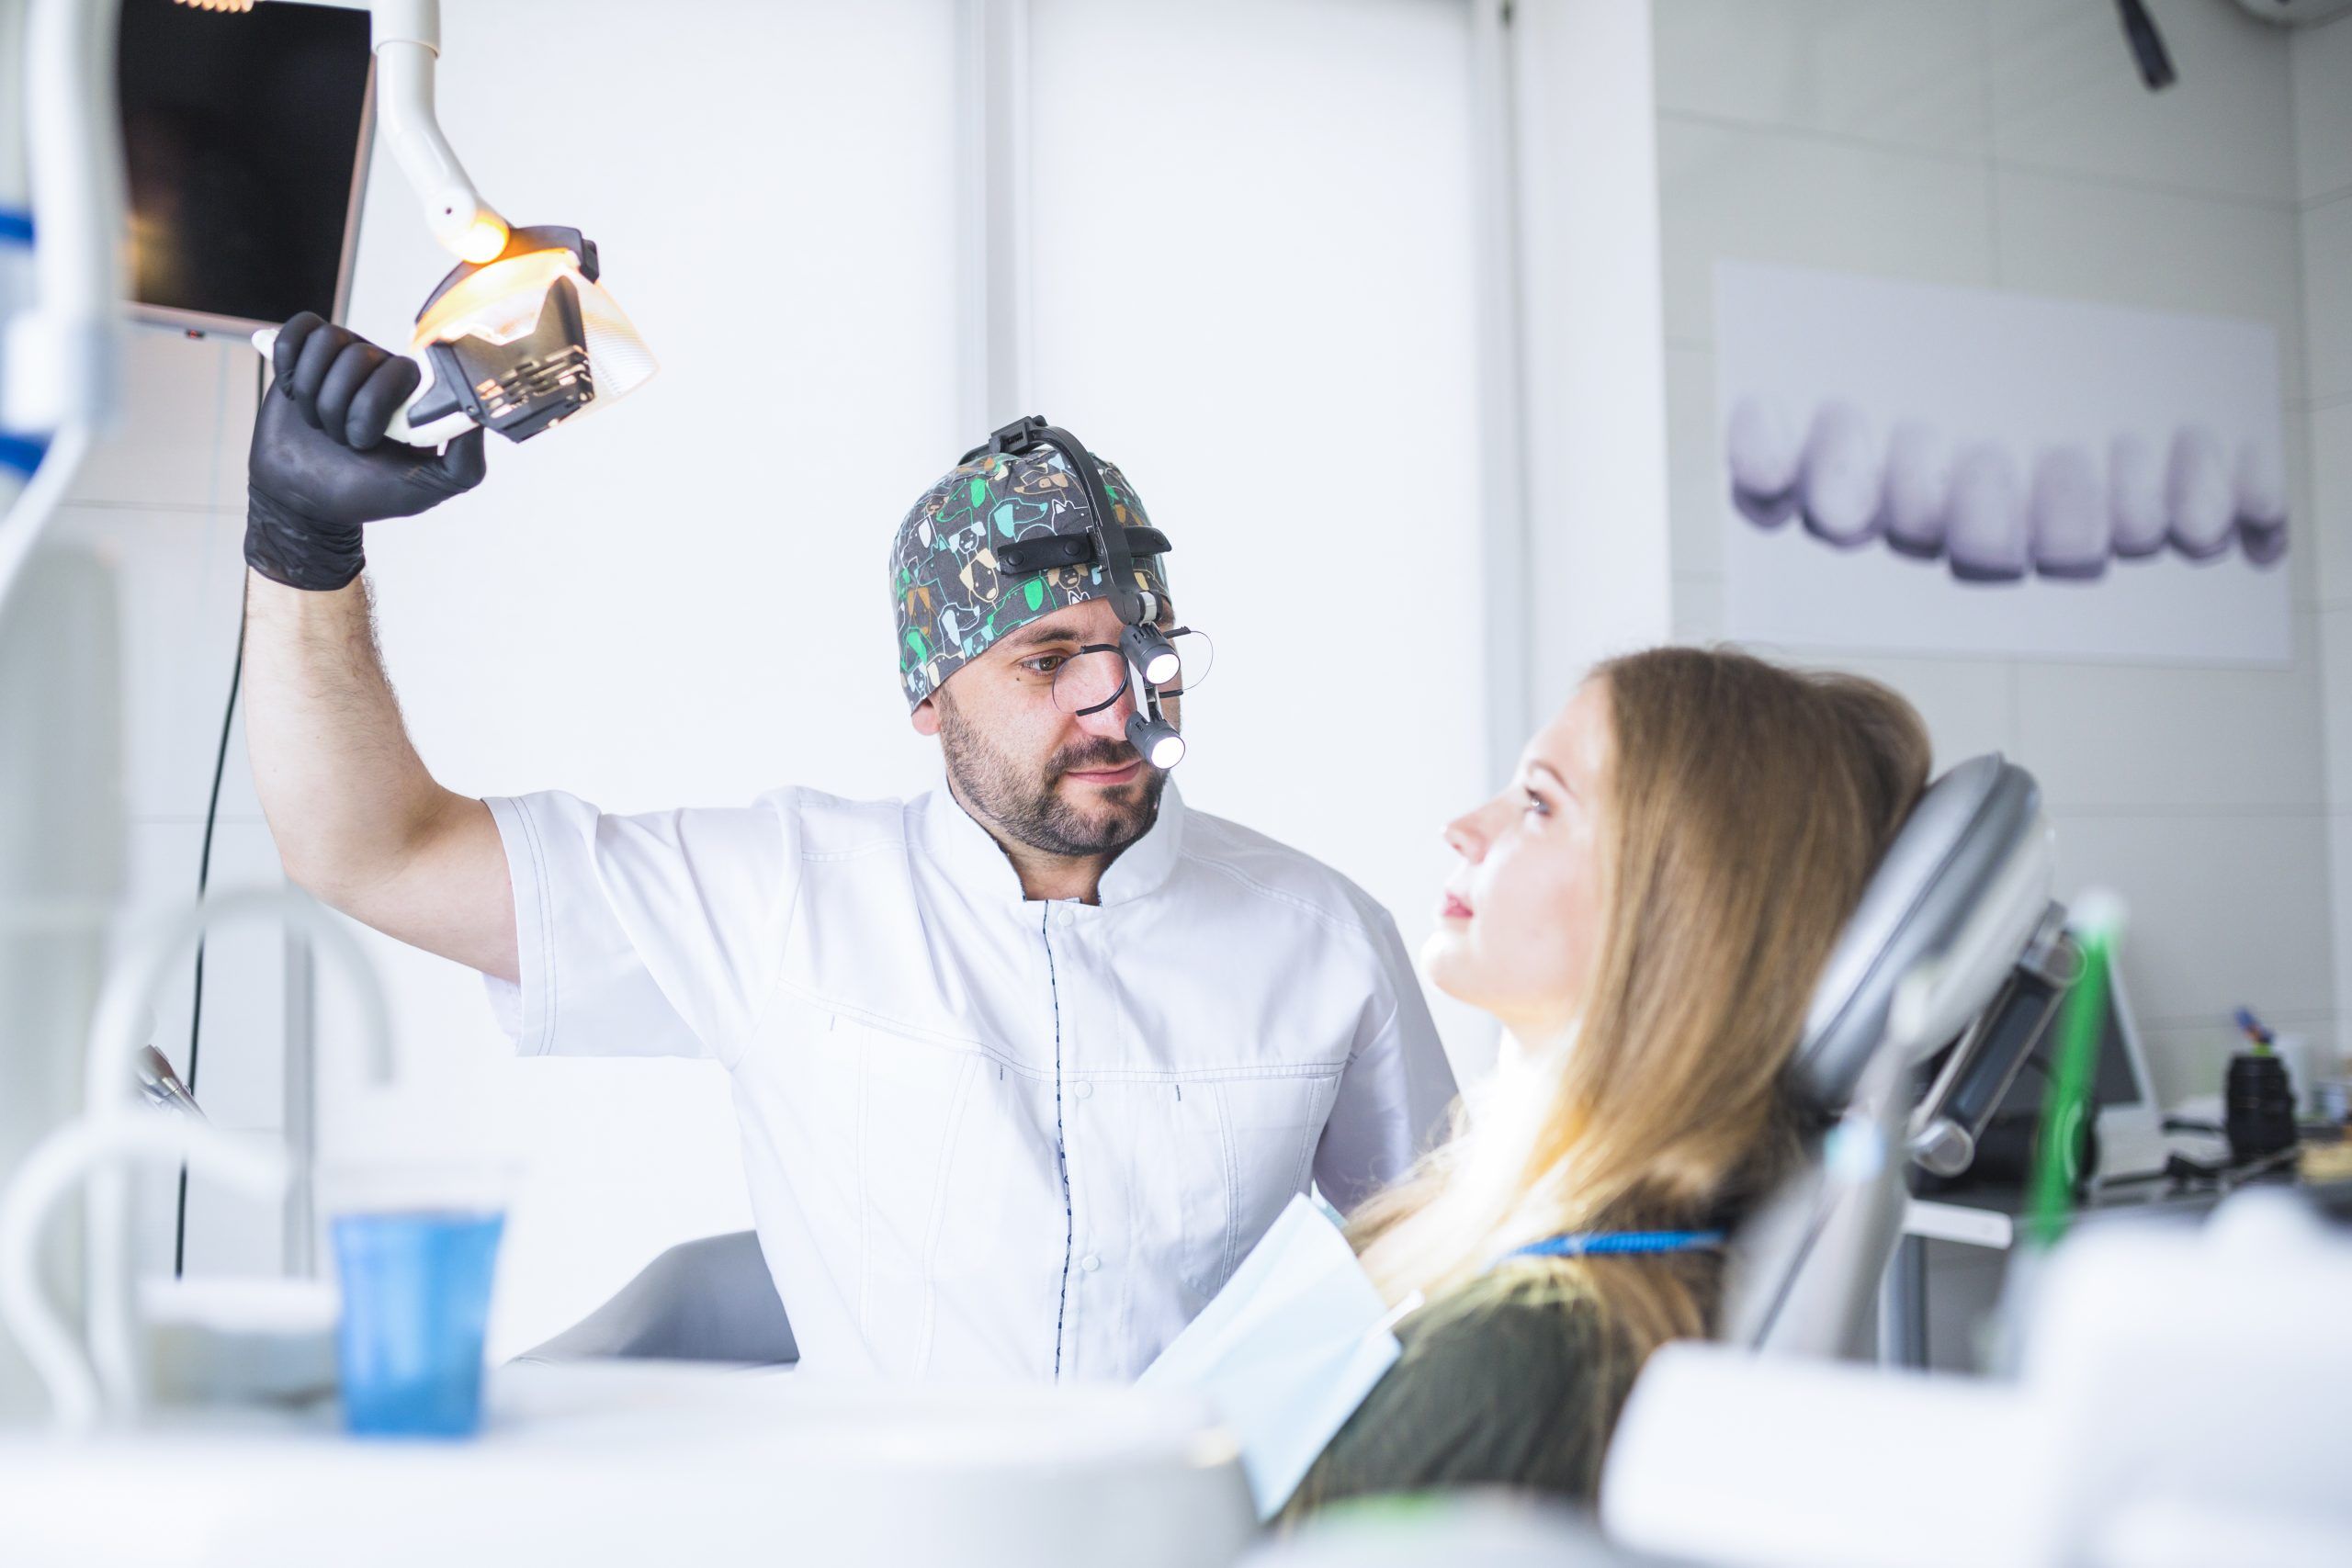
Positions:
{"x": 985, "y": 1136}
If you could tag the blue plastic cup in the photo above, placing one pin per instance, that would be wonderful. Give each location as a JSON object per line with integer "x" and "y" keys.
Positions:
{"x": 415, "y": 1302}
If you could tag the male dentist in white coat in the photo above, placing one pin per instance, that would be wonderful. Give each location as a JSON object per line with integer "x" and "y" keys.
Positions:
{"x": 1022, "y": 1066}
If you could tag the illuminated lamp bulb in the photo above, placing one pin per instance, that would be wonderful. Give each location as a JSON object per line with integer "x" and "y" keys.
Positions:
{"x": 1158, "y": 742}
{"x": 483, "y": 240}
{"x": 1150, "y": 653}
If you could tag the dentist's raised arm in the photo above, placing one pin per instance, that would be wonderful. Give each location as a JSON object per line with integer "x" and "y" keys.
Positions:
{"x": 358, "y": 819}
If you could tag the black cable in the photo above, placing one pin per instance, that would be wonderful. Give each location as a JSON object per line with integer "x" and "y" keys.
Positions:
{"x": 203, "y": 876}
{"x": 2148, "y": 45}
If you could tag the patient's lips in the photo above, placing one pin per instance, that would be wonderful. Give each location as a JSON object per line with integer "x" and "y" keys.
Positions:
{"x": 1450, "y": 907}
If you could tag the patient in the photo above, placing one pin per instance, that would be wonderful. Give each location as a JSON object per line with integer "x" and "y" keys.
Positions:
{"x": 1645, "y": 909}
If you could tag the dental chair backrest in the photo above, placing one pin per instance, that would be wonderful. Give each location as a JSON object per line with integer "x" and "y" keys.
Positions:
{"x": 1961, "y": 897}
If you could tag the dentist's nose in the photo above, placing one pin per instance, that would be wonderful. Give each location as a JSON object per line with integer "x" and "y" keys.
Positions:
{"x": 1111, "y": 722}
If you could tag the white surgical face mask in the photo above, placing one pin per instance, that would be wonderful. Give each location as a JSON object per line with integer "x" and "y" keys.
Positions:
{"x": 1287, "y": 1350}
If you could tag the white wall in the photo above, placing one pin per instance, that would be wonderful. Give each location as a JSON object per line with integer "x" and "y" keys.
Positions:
{"x": 2321, "y": 82}
{"x": 1254, "y": 287}
{"x": 2008, "y": 143}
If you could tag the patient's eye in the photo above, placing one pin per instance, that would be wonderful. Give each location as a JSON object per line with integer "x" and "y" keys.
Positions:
{"x": 1534, "y": 804}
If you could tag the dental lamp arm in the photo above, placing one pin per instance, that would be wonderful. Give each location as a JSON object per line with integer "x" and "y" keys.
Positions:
{"x": 407, "y": 37}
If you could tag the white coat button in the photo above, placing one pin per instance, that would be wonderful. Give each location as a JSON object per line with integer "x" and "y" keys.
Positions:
{"x": 1089, "y": 1263}
{"x": 1081, "y": 1090}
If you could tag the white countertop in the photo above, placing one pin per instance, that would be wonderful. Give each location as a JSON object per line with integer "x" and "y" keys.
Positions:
{"x": 630, "y": 1463}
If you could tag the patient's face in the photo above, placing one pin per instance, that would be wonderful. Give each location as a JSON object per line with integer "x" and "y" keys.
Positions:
{"x": 1520, "y": 918}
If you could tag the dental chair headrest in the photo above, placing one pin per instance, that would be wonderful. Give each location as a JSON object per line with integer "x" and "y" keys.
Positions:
{"x": 1972, "y": 861}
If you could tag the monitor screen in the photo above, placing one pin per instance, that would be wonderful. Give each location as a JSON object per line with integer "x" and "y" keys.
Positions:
{"x": 2117, "y": 1079}
{"x": 246, "y": 136}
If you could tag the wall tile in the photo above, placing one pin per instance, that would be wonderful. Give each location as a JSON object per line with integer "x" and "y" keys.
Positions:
{"x": 2189, "y": 1061}
{"x": 1694, "y": 473}
{"x": 2320, "y": 62}
{"x": 2340, "y": 856}
{"x": 1904, "y": 75}
{"x": 2067, "y": 95}
{"x": 2327, "y": 296}
{"x": 1968, "y": 704}
{"x": 2329, "y": 531}
{"x": 2336, "y": 705}
{"x": 1698, "y": 608}
{"x": 2224, "y": 911}
{"x": 181, "y": 398}
{"x": 2153, "y": 737}
{"x": 2064, "y": 235}
{"x": 1785, "y": 197}
{"x": 179, "y": 579}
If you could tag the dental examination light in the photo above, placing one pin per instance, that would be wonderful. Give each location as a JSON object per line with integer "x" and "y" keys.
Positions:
{"x": 521, "y": 335}
{"x": 1110, "y": 544}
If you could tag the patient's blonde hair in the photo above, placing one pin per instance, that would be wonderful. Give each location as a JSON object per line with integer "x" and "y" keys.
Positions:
{"x": 1744, "y": 808}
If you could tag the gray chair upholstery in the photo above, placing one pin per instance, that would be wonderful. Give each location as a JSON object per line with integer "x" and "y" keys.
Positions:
{"x": 1961, "y": 897}
{"x": 711, "y": 1300}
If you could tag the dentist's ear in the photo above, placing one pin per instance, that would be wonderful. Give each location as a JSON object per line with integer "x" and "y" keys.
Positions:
{"x": 925, "y": 718}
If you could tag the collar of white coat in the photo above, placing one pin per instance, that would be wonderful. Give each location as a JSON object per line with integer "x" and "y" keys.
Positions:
{"x": 979, "y": 863}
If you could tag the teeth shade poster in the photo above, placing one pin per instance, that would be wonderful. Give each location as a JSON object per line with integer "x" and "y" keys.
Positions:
{"x": 1914, "y": 468}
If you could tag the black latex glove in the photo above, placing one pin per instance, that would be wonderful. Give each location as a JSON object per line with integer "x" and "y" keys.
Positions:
{"x": 320, "y": 464}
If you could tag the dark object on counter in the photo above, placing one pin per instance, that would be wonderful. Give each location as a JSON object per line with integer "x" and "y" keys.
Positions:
{"x": 2259, "y": 1107}
{"x": 2008, "y": 1153}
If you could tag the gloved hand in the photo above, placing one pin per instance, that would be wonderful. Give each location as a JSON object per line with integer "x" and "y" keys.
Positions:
{"x": 320, "y": 467}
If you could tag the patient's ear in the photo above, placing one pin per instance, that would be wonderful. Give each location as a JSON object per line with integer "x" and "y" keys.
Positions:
{"x": 925, "y": 718}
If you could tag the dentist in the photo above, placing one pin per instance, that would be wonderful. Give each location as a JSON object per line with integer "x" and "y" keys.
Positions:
{"x": 1023, "y": 1067}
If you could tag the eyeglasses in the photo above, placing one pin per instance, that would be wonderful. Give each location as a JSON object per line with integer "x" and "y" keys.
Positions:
{"x": 1098, "y": 674}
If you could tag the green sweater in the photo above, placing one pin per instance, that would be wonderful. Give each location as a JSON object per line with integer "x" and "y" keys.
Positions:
{"x": 1512, "y": 1381}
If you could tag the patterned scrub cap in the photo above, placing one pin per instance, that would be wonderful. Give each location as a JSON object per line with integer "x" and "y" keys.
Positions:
{"x": 950, "y": 600}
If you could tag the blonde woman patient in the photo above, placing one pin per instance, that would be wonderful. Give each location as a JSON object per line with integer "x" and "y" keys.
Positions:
{"x": 1645, "y": 909}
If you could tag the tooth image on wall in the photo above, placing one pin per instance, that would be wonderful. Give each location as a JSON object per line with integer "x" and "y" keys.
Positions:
{"x": 2135, "y": 487}
{"x": 1984, "y": 536}
{"x": 1843, "y": 483}
{"x": 1763, "y": 449}
{"x": 2068, "y": 516}
{"x": 1918, "y": 491}
{"x": 2261, "y": 504}
{"x": 2197, "y": 499}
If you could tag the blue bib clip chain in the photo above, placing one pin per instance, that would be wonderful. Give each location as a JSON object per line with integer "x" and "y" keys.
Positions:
{"x": 1592, "y": 1244}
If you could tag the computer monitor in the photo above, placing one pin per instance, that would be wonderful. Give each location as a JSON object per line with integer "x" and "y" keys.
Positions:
{"x": 246, "y": 136}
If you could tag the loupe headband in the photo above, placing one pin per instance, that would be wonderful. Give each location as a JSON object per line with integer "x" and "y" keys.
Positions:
{"x": 1108, "y": 544}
